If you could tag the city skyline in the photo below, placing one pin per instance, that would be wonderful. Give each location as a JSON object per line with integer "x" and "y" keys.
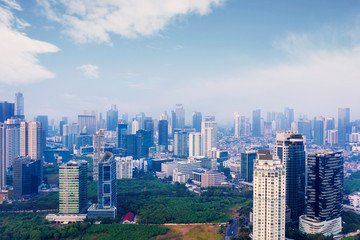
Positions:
{"x": 194, "y": 56}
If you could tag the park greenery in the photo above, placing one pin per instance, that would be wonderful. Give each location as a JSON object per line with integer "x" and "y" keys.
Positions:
{"x": 158, "y": 202}
{"x": 44, "y": 201}
{"x": 352, "y": 183}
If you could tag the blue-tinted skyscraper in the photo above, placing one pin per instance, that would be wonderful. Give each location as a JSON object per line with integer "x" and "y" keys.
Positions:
{"x": 163, "y": 133}
{"x": 256, "y": 123}
{"x": 121, "y": 129}
{"x": 6, "y": 111}
{"x": 149, "y": 126}
{"x": 247, "y": 165}
{"x": 196, "y": 121}
{"x": 107, "y": 197}
{"x": 43, "y": 119}
{"x": 343, "y": 125}
{"x": 319, "y": 130}
{"x": 112, "y": 118}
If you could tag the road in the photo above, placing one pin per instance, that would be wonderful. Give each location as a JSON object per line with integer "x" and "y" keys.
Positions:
{"x": 232, "y": 229}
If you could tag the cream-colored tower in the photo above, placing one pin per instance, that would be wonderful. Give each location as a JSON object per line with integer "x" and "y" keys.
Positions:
{"x": 269, "y": 197}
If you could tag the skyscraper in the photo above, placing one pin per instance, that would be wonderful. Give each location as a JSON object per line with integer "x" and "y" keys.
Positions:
{"x": 2, "y": 158}
{"x": 149, "y": 126}
{"x": 305, "y": 128}
{"x": 319, "y": 130}
{"x": 107, "y": 197}
{"x": 26, "y": 177}
{"x": 196, "y": 121}
{"x": 343, "y": 125}
{"x": 180, "y": 116}
{"x": 145, "y": 142}
{"x": 19, "y": 104}
{"x": 247, "y": 165}
{"x": 256, "y": 123}
{"x": 194, "y": 144}
{"x": 236, "y": 124}
{"x": 133, "y": 146}
{"x": 208, "y": 136}
{"x": 163, "y": 133}
{"x": 112, "y": 118}
{"x": 289, "y": 118}
{"x": 121, "y": 133}
{"x": 324, "y": 193}
{"x": 269, "y": 197}
{"x": 70, "y": 133}
{"x": 6, "y": 111}
{"x": 290, "y": 150}
{"x": 11, "y": 141}
{"x": 73, "y": 187}
{"x": 99, "y": 150}
{"x": 135, "y": 126}
{"x": 87, "y": 124}
{"x": 181, "y": 144}
{"x": 43, "y": 119}
{"x": 32, "y": 140}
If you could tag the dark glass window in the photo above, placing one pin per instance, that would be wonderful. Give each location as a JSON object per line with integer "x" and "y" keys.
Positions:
{"x": 106, "y": 188}
{"x": 106, "y": 173}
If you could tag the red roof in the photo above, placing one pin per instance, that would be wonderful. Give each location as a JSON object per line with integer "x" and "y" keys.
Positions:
{"x": 128, "y": 217}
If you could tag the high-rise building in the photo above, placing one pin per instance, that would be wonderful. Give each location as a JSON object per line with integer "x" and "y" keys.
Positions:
{"x": 247, "y": 165}
{"x": 324, "y": 193}
{"x": 269, "y": 205}
{"x": 19, "y": 104}
{"x": 289, "y": 118}
{"x": 319, "y": 130}
{"x": 236, "y": 124}
{"x": 32, "y": 140}
{"x": 171, "y": 122}
{"x": 290, "y": 150}
{"x": 11, "y": 141}
{"x": 107, "y": 197}
{"x": 124, "y": 167}
{"x": 163, "y": 133}
{"x": 333, "y": 137}
{"x": 181, "y": 144}
{"x": 305, "y": 128}
{"x": 135, "y": 126}
{"x": 6, "y": 111}
{"x": 180, "y": 116}
{"x": 244, "y": 126}
{"x": 208, "y": 137}
{"x": 121, "y": 133}
{"x": 329, "y": 124}
{"x": 87, "y": 124}
{"x": 73, "y": 187}
{"x": 2, "y": 158}
{"x": 133, "y": 146}
{"x": 145, "y": 142}
{"x": 70, "y": 133}
{"x": 256, "y": 123}
{"x": 26, "y": 177}
{"x": 99, "y": 150}
{"x": 149, "y": 126}
{"x": 196, "y": 121}
{"x": 112, "y": 118}
{"x": 343, "y": 125}
{"x": 43, "y": 119}
{"x": 140, "y": 118}
{"x": 194, "y": 144}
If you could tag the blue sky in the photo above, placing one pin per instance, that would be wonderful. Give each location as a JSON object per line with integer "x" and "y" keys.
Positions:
{"x": 213, "y": 56}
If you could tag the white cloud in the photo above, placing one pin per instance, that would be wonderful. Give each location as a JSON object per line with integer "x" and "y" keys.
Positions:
{"x": 18, "y": 61}
{"x": 89, "y": 70}
{"x": 93, "y": 21}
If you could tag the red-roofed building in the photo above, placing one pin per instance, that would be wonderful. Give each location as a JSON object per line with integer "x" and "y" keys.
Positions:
{"x": 128, "y": 218}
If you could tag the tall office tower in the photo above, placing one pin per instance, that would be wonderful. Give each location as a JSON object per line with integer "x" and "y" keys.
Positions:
{"x": 149, "y": 126}
{"x": 134, "y": 126}
{"x": 329, "y": 124}
{"x": 208, "y": 137}
{"x": 280, "y": 121}
{"x": 73, "y": 187}
{"x": 256, "y": 120}
{"x": 19, "y": 104}
{"x": 244, "y": 126}
{"x": 99, "y": 150}
{"x": 289, "y": 117}
{"x": 145, "y": 142}
{"x": 343, "y": 124}
{"x": 290, "y": 150}
{"x": 112, "y": 118}
{"x": 140, "y": 117}
{"x": 324, "y": 193}
{"x": 194, "y": 144}
{"x": 6, "y": 111}
{"x": 333, "y": 137}
{"x": 269, "y": 197}
{"x": 133, "y": 146}
{"x": 70, "y": 133}
{"x": 61, "y": 127}
{"x": 196, "y": 121}
{"x": 180, "y": 116}
{"x": 26, "y": 177}
{"x": 181, "y": 144}
{"x": 43, "y": 119}
{"x": 247, "y": 165}
{"x": 319, "y": 130}
{"x": 11, "y": 141}
{"x": 124, "y": 167}
{"x": 87, "y": 124}
{"x": 107, "y": 182}
{"x": 163, "y": 133}
{"x": 125, "y": 118}
{"x": 32, "y": 140}
{"x": 121, "y": 133}
{"x": 236, "y": 124}
{"x": 304, "y": 128}
{"x": 171, "y": 122}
